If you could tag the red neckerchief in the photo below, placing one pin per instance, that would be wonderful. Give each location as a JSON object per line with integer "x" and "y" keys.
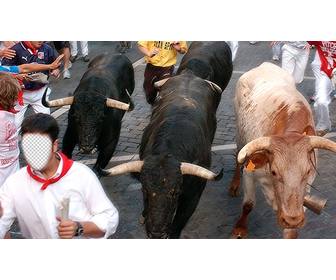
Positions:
{"x": 30, "y": 47}
{"x": 20, "y": 97}
{"x": 11, "y": 110}
{"x": 67, "y": 163}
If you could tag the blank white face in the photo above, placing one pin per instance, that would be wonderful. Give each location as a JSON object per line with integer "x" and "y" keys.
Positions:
{"x": 37, "y": 149}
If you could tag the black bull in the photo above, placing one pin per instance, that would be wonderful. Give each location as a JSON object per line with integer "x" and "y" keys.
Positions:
{"x": 93, "y": 123}
{"x": 176, "y": 145}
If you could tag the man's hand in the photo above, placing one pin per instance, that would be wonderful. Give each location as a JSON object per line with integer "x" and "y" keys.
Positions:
{"x": 56, "y": 63}
{"x": 22, "y": 77}
{"x": 307, "y": 47}
{"x": 56, "y": 73}
{"x": 66, "y": 228}
{"x": 153, "y": 52}
{"x": 7, "y": 53}
{"x": 177, "y": 46}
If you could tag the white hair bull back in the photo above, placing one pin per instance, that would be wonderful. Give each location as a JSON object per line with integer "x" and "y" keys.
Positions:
{"x": 37, "y": 149}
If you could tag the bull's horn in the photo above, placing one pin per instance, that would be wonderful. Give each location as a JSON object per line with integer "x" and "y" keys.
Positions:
{"x": 262, "y": 143}
{"x": 117, "y": 104}
{"x": 196, "y": 170}
{"x": 318, "y": 142}
{"x": 131, "y": 104}
{"x": 215, "y": 87}
{"x": 133, "y": 166}
{"x": 160, "y": 83}
{"x": 57, "y": 102}
{"x": 314, "y": 203}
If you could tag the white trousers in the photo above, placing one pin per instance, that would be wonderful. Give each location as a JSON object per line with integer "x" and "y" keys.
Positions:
{"x": 5, "y": 172}
{"x": 34, "y": 99}
{"x": 323, "y": 88}
{"x": 294, "y": 60}
{"x": 234, "y": 48}
{"x": 83, "y": 45}
{"x": 276, "y": 49}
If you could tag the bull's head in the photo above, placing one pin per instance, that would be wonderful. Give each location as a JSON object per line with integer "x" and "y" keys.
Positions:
{"x": 161, "y": 178}
{"x": 291, "y": 163}
{"x": 89, "y": 115}
{"x": 89, "y": 112}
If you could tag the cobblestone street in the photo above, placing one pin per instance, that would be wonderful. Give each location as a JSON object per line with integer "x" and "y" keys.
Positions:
{"x": 217, "y": 212}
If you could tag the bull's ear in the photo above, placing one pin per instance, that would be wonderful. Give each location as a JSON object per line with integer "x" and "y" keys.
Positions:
{"x": 309, "y": 130}
{"x": 256, "y": 161}
{"x": 160, "y": 83}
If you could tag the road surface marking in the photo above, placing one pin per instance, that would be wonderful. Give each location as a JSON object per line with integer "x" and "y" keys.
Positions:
{"x": 214, "y": 149}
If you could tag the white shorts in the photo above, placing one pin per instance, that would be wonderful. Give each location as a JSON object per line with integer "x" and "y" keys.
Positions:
{"x": 34, "y": 99}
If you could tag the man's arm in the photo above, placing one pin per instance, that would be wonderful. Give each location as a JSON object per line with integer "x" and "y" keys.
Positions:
{"x": 27, "y": 68}
{"x": 7, "y": 53}
{"x": 12, "y": 60}
{"x": 145, "y": 51}
{"x": 67, "y": 229}
{"x": 104, "y": 216}
{"x": 8, "y": 213}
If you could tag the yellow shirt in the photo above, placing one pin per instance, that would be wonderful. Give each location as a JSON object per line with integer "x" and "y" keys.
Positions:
{"x": 167, "y": 54}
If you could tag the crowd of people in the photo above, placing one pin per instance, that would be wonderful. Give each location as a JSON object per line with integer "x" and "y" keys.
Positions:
{"x": 33, "y": 194}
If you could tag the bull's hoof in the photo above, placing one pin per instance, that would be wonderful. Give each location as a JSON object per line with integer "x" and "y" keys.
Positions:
{"x": 234, "y": 191}
{"x": 141, "y": 220}
{"x": 239, "y": 233}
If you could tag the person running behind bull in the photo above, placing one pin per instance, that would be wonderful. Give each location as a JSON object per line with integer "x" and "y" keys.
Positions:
{"x": 161, "y": 58}
{"x": 35, "y": 194}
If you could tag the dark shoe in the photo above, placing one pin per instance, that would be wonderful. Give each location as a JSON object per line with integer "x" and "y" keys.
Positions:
{"x": 73, "y": 58}
{"x": 122, "y": 50}
{"x": 86, "y": 58}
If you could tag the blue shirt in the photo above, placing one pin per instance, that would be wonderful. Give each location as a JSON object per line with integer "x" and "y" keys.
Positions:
{"x": 45, "y": 55}
{"x": 10, "y": 69}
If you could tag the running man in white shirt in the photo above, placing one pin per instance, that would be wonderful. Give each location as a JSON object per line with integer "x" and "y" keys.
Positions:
{"x": 35, "y": 194}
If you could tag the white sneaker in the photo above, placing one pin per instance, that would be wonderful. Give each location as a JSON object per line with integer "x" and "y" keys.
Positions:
{"x": 69, "y": 65}
{"x": 66, "y": 74}
{"x": 252, "y": 42}
{"x": 275, "y": 57}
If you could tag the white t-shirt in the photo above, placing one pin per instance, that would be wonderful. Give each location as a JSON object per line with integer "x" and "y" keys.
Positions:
{"x": 36, "y": 210}
{"x": 9, "y": 149}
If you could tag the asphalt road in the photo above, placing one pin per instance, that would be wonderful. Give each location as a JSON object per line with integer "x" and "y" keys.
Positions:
{"x": 217, "y": 212}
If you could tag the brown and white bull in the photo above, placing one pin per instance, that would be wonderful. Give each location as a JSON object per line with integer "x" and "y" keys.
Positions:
{"x": 276, "y": 141}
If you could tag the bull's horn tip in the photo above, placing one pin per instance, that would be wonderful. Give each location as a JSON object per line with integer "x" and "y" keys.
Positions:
{"x": 130, "y": 107}
{"x": 241, "y": 157}
{"x": 219, "y": 175}
{"x": 103, "y": 172}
